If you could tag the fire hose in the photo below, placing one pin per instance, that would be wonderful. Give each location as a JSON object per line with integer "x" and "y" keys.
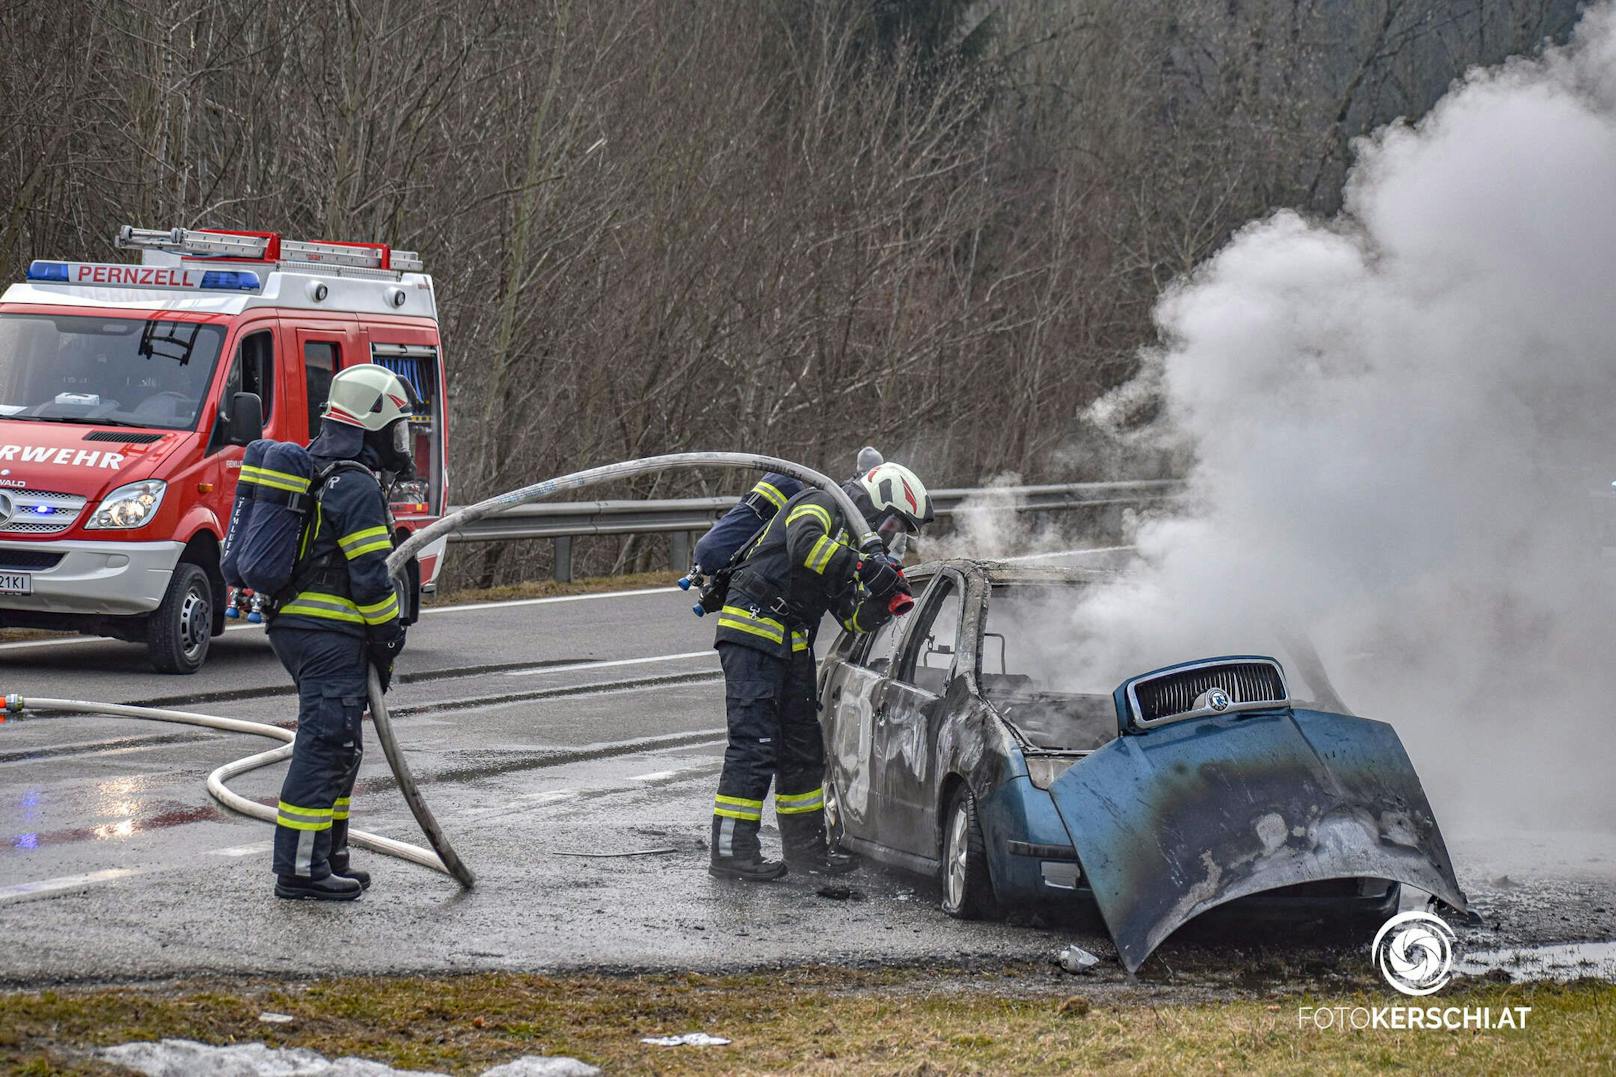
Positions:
{"x": 442, "y": 856}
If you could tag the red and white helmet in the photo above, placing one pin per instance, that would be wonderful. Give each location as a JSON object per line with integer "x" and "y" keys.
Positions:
{"x": 898, "y": 498}
{"x": 369, "y": 396}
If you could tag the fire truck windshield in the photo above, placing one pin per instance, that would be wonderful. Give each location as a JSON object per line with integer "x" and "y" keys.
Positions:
{"x": 105, "y": 371}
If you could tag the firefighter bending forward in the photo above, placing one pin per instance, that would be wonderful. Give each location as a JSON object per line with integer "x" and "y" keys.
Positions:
{"x": 342, "y": 616}
{"x": 800, "y": 567}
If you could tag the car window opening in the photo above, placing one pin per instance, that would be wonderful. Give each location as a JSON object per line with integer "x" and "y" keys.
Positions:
{"x": 1036, "y": 688}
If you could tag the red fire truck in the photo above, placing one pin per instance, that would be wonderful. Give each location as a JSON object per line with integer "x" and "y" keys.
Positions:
{"x": 127, "y": 394}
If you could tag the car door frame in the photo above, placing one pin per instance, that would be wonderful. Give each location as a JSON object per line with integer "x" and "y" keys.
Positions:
{"x": 848, "y": 692}
{"x": 905, "y": 765}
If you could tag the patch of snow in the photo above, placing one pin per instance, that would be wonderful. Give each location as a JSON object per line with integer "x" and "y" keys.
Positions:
{"x": 543, "y": 1066}
{"x": 183, "y": 1058}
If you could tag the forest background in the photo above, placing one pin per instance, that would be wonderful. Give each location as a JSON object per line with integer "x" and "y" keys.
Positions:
{"x": 792, "y": 226}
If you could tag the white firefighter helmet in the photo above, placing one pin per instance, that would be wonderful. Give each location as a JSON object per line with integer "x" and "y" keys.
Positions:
{"x": 369, "y": 396}
{"x": 898, "y": 497}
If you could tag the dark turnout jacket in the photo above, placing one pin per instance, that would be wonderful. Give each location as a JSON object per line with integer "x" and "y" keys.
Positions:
{"x": 801, "y": 567}
{"x": 342, "y": 584}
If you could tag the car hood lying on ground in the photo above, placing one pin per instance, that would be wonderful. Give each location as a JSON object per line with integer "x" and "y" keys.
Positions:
{"x": 1175, "y": 820}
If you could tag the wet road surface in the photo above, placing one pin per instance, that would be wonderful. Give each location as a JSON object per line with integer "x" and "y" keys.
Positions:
{"x": 543, "y": 732}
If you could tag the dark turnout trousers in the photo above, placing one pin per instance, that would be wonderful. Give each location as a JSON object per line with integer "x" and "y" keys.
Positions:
{"x": 312, "y": 824}
{"x": 774, "y": 733}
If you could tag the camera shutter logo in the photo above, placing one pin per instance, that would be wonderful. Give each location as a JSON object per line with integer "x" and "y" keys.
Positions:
{"x": 1414, "y": 952}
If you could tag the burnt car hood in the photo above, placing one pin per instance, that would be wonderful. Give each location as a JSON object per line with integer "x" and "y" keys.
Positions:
{"x": 1184, "y": 817}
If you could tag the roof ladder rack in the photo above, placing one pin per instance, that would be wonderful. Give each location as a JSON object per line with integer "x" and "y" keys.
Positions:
{"x": 266, "y": 247}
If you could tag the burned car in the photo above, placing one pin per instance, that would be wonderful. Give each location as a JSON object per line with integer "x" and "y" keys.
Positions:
{"x": 962, "y": 745}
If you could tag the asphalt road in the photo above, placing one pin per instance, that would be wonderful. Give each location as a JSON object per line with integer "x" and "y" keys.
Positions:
{"x": 545, "y": 733}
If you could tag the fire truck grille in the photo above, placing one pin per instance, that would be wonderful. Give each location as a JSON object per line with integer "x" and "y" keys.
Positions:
{"x": 38, "y": 512}
{"x": 15, "y": 560}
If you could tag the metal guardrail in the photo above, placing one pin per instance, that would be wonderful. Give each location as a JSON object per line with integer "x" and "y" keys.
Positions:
{"x": 562, "y": 521}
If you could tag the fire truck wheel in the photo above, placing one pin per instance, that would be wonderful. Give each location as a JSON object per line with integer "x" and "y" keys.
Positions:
{"x": 178, "y": 632}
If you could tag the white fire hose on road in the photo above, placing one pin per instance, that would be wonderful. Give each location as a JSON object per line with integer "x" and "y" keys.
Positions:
{"x": 216, "y": 781}
{"x": 441, "y": 857}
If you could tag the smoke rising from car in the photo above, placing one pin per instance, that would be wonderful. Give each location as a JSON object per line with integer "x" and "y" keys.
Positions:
{"x": 1400, "y": 421}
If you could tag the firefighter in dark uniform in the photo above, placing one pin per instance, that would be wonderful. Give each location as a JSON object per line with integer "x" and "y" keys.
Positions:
{"x": 340, "y": 616}
{"x": 802, "y": 566}
{"x": 740, "y": 524}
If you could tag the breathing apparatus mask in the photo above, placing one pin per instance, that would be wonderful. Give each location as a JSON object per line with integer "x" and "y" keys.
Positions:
{"x": 894, "y": 531}
{"x": 391, "y": 445}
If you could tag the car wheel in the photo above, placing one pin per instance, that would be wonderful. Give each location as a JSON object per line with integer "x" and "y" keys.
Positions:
{"x": 178, "y": 632}
{"x": 967, "y": 886}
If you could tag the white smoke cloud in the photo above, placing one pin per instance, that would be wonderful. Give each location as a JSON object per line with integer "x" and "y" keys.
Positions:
{"x": 991, "y": 525}
{"x": 1401, "y": 419}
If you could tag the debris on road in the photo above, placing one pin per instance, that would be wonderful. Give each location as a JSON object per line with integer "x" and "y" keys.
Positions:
{"x": 689, "y": 1039}
{"x": 1075, "y": 959}
{"x": 602, "y": 856}
{"x": 840, "y": 893}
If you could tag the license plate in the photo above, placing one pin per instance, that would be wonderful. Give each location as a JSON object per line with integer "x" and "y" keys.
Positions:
{"x": 16, "y": 583}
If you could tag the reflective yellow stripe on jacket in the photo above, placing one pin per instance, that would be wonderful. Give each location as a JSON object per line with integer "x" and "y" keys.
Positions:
{"x": 357, "y": 543}
{"x": 810, "y": 510}
{"x": 336, "y": 608}
{"x": 742, "y": 620}
{"x": 320, "y": 605}
{"x": 819, "y": 556}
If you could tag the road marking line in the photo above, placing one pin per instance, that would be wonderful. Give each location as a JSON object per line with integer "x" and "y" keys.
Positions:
{"x": 254, "y": 849}
{"x": 541, "y": 601}
{"x": 424, "y": 611}
{"x": 654, "y": 776}
{"x": 604, "y": 663}
{"x": 63, "y": 882}
{"x": 92, "y": 639}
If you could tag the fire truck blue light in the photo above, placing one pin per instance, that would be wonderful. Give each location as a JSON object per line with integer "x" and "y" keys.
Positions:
{"x": 240, "y": 280}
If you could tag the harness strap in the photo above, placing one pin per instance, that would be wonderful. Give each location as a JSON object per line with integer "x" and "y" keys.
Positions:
{"x": 327, "y": 572}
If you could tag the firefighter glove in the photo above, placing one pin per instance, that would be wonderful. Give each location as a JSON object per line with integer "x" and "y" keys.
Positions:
{"x": 383, "y": 648}
{"x": 879, "y": 575}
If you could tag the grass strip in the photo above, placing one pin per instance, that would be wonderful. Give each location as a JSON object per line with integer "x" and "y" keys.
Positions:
{"x": 817, "y": 1020}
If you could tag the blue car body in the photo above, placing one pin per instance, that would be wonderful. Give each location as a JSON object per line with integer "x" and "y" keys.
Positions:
{"x": 1187, "y": 788}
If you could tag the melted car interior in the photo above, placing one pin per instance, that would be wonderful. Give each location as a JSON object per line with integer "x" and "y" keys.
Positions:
{"x": 1034, "y": 691}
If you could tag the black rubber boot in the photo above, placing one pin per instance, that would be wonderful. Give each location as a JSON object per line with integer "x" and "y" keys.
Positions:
{"x": 736, "y": 853}
{"x": 803, "y": 836}
{"x": 821, "y": 861}
{"x": 339, "y": 866}
{"x": 753, "y": 869}
{"x": 330, "y": 888}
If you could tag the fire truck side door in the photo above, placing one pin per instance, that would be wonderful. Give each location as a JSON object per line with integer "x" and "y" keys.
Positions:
{"x": 322, "y": 349}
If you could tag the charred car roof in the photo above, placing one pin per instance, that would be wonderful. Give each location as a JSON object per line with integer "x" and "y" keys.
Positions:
{"x": 1012, "y": 572}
